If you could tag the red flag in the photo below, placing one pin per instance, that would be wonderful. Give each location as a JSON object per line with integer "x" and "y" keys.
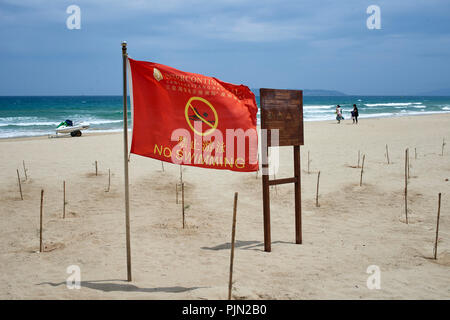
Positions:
{"x": 191, "y": 119}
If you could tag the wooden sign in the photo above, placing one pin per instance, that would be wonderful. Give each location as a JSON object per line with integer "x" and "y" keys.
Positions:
{"x": 282, "y": 110}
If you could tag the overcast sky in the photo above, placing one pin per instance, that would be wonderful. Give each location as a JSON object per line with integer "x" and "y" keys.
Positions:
{"x": 280, "y": 44}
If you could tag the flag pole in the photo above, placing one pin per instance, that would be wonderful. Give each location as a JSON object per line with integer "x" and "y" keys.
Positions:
{"x": 125, "y": 157}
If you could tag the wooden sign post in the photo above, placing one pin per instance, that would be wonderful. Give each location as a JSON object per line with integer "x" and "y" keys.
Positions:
{"x": 282, "y": 110}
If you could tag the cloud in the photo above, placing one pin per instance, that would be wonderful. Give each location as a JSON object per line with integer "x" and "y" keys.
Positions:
{"x": 240, "y": 29}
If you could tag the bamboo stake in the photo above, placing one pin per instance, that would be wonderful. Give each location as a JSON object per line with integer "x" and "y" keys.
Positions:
{"x": 387, "y": 154}
{"x": 408, "y": 165}
{"x": 275, "y": 186}
{"x": 317, "y": 190}
{"x": 181, "y": 174}
{"x": 25, "y": 170}
{"x": 406, "y": 185}
{"x": 20, "y": 185}
{"x": 308, "y": 161}
{"x": 415, "y": 153}
{"x": 362, "y": 170}
{"x": 96, "y": 171}
{"x": 233, "y": 237}
{"x": 40, "y": 220}
{"x": 443, "y": 144}
{"x": 162, "y": 166}
{"x": 437, "y": 226}
{"x": 358, "y": 158}
{"x": 257, "y": 171}
{"x": 109, "y": 180}
{"x": 64, "y": 199}
{"x": 176, "y": 192}
{"x": 182, "y": 201}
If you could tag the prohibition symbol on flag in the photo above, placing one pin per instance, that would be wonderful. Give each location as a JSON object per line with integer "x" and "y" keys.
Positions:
{"x": 169, "y": 105}
{"x": 202, "y": 111}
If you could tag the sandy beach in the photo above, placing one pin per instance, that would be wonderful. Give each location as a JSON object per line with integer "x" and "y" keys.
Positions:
{"x": 354, "y": 227}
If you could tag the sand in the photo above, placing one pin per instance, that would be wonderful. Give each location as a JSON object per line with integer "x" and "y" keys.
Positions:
{"x": 353, "y": 228}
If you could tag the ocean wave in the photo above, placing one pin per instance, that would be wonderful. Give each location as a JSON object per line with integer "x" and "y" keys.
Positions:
{"x": 412, "y": 106}
{"x": 104, "y": 130}
{"x": 446, "y": 108}
{"x": 309, "y": 112}
{"x": 102, "y": 121}
{"x": 54, "y": 123}
{"x": 27, "y": 124}
{"x": 392, "y": 104}
{"x": 318, "y": 106}
{"x": 18, "y": 118}
{"x": 19, "y": 134}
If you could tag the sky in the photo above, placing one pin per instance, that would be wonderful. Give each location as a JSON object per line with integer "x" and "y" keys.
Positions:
{"x": 274, "y": 44}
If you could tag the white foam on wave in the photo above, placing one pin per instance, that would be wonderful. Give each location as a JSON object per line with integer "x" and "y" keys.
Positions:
{"x": 318, "y": 106}
{"x": 18, "y": 134}
{"x": 412, "y": 106}
{"x": 102, "y": 121}
{"x": 51, "y": 123}
{"x": 9, "y": 119}
{"x": 27, "y": 124}
{"x": 402, "y": 113}
{"x": 392, "y": 104}
{"x": 309, "y": 111}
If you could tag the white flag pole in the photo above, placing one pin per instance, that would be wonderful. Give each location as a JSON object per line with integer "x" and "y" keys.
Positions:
{"x": 125, "y": 158}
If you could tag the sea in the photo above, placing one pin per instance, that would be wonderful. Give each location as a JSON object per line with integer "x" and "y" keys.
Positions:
{"x": 24, "y": 116}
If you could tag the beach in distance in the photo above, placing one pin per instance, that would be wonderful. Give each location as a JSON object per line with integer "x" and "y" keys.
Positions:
{"x": 356, "y": 232}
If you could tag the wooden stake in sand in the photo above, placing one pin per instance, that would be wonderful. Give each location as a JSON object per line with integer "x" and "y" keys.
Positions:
{"x": 109, "y": 180}
{"x": 64, "y": 199}
{"x": 20, "y": 185}
{"x": 415, "y": 154}
{"x": 176, "y": 192}
{"x": 406, "y": 185}
{"x": 162, "y": 166}
{"x": 258, "y": 168}
{"x": 437, "y": 226}
{"x": 275, "y": 186}
{"x": 387, "y": 154}
{"x": 408, "y": 165}
{"x": 359, "y": 155}
{"x": 308, "y": 161}
{"x": 182, "y": 201}
{"x": 96, "y": 170}
{"x": 233, "y": 236}
{"x": 317, "y": 190}
{"x": 41, "y": 249}
{"x": 25, "y": 170}
{"x": 181, "y": 174}
{"x": 362, "y": 170}
{"x": 443, "y": 144}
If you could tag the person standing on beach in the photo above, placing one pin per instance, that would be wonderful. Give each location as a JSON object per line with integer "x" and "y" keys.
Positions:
{"x": 339, "y": 116}
{"x": 355, "y": 114}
